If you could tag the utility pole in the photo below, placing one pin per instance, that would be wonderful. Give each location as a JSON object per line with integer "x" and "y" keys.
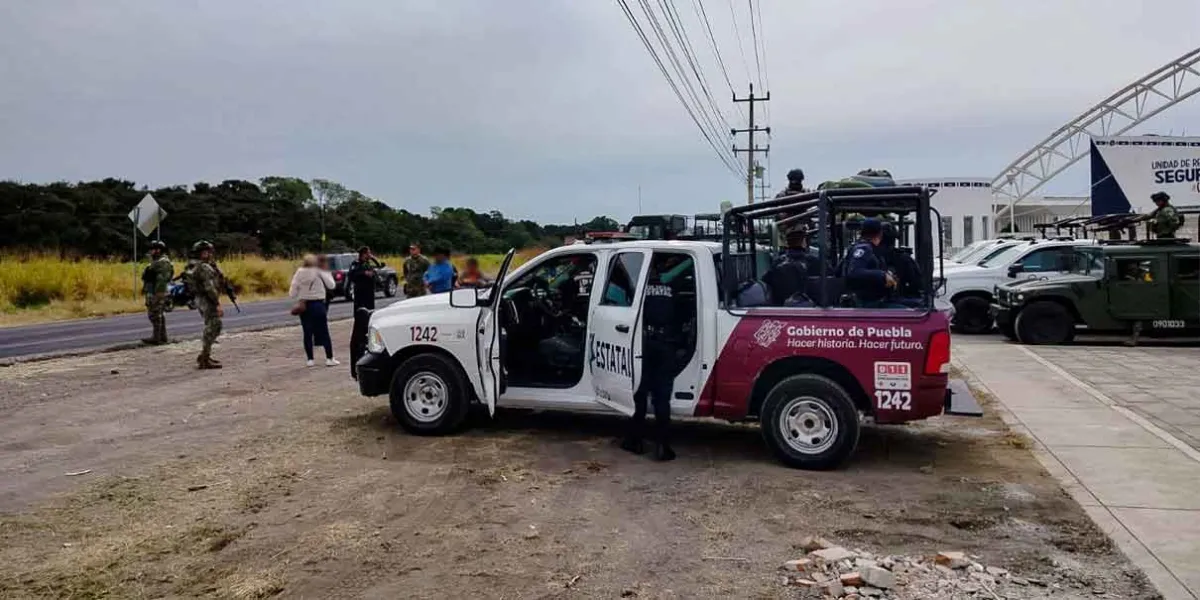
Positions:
{"x": 750, "y": 148}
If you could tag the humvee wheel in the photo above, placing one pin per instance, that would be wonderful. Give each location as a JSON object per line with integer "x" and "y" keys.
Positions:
{"x": 810, "y": 422}
{"x": 429, "y": 395}
{"x": 972, "y": 315}
{"x": 1045, "y": 322}
{"x": 391, "y": 288}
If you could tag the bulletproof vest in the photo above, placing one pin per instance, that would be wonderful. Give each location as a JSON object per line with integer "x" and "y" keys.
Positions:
{"x": 148, "y": 274}
{"x": 659, "y": 307}
{"x": 786, "y": 280}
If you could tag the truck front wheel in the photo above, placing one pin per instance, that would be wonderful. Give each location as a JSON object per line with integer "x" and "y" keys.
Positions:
{"x": 810, "y": 422}
{"x": 972, "y": 316}
{"x": 1045, "y": 322}
{"x": 429, "y": 395}
{"x": 391, "y": 287}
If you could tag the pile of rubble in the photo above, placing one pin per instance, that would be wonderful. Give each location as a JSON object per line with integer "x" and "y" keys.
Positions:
{"x": 831, "y": 571}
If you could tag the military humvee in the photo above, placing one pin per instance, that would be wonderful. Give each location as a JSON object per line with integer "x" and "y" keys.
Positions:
{"x": 1115, "y": 287}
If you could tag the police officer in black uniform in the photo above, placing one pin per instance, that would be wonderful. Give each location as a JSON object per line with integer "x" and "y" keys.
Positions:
{"x": 790, "y": 272}
{"x": 662, "y": 335}
{"x": 903, "y": 265}
{"x": 867, "y": 276}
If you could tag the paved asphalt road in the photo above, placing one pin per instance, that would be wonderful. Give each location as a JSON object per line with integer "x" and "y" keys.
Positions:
{"x": 121, "y": 329}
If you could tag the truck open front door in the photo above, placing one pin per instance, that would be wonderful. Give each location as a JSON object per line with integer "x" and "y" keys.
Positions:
{"x": 614, "y": 332}
{"x": 487, "y": 330}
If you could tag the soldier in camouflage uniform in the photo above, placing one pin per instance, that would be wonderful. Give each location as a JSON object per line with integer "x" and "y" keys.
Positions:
{"x": 206, "y": 283}
{"x": 155, "y": 279}
{"x": 1166, "y": 220}
{"x": 414, "y": 272}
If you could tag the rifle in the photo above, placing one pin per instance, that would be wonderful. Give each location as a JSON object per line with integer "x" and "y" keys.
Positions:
{"x": 228, "y": 287}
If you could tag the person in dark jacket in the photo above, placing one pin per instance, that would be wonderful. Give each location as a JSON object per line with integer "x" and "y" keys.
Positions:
{"x": 866, "y": 273}
{"x": 361, "y": 275}
{"x": 908, "y": 275}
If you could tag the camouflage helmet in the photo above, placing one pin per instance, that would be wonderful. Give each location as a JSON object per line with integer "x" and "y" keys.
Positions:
{"x": 1160, "y": 197}
{"x": 158, "y": 245}
{"x": 795, "y": 176}
{"x": 201, "y": 246}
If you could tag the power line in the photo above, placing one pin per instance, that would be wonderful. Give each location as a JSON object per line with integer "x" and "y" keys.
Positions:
{"x": 673, "y": 58}
{"x": 689, "y": 53}
{"x": 754, "y": 36}
{"x": 762, "y": 36}
{"x": 722, "y": 155}
{"x": 702, "y": 15}
{"x": 738, "y": 34}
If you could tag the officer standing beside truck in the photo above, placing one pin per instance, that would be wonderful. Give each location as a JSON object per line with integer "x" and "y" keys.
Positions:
{"x": 662, "y": 337}
{"x": 361, "y": 275}
{"x": 155, "y": 279}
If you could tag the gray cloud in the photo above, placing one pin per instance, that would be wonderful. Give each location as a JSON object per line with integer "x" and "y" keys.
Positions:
{"x": 549, "y": 110}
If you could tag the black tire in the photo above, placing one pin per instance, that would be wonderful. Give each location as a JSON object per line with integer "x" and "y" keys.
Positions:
{"x": 1045, "y": 322}
{"x": 972, "y": 315}
{"x": 391, "y": 287}
{"x": 442, "y": 415}
{"x": 349, "y": 293}
{"x": 820, "y": 399}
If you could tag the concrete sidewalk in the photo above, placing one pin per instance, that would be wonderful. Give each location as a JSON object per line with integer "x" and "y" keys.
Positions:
{"x": 1139, "y": 483}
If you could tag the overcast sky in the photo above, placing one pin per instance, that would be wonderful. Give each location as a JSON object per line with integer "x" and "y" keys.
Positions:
{"x": 552, "y": 109}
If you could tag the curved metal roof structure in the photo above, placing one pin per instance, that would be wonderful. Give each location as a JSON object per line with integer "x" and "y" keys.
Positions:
{"x": 1130, "y": 106}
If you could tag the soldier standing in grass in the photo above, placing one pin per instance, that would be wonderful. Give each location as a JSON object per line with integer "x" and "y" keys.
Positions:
{"x": 155, "y": 279}
{"x": 206, "y": 282}
{"x": 414, "y": 272}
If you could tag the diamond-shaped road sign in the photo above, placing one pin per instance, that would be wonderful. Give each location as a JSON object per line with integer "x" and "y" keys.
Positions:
{"x": 147, "y": 215}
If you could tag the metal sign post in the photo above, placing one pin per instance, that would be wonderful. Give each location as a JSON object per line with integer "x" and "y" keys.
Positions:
{"x": 147, "y": 217}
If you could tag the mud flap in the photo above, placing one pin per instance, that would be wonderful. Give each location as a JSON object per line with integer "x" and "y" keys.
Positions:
{"x": 960, "y": 401}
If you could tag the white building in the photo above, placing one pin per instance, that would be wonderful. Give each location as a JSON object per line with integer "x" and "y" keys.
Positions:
{"x": 969, "y": 209}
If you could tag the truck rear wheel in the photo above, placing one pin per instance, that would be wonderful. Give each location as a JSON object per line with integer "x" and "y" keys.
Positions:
{"x": 1045, "y": 322}
{"x": 972, "y": 316}
{"x": 810, "y": 422}
{"x": 429, "y": 395}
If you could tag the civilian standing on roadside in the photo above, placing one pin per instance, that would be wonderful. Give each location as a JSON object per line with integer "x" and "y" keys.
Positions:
{"x": 471, "y": 276}
{"x": 310, "y": 285}
{"x": 440, "y": 276}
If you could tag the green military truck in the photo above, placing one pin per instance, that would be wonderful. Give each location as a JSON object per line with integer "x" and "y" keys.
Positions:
{"x": 1140, "y": 287}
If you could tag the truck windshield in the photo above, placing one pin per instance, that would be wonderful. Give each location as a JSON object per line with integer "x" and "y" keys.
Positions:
{"x": 962, "y": 255}
{"x": 1004, "y": 256}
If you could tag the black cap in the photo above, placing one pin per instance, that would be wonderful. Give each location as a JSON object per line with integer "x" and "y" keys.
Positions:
{"x": 1160, "y": 197}
{"x": 364, "y": 249}
{"x": 795, "y": 176}
{"x": 870, "y": 227}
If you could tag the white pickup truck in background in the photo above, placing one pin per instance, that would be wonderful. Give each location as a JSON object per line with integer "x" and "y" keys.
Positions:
{"x": 968, "y": 287}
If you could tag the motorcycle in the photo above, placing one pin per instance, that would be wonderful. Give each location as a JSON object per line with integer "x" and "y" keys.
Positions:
{"x": 180, "y": 295}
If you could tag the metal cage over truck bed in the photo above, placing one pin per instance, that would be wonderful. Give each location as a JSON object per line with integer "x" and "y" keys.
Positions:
{"x": 818, "y": 211}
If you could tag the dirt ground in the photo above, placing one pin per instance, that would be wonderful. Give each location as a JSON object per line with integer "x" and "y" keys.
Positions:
{"x": 272, "y": 479}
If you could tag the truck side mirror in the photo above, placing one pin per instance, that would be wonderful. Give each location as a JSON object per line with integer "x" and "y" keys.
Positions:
{"x": 464, "y": 297}
{"x": 1015, "y": 268}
